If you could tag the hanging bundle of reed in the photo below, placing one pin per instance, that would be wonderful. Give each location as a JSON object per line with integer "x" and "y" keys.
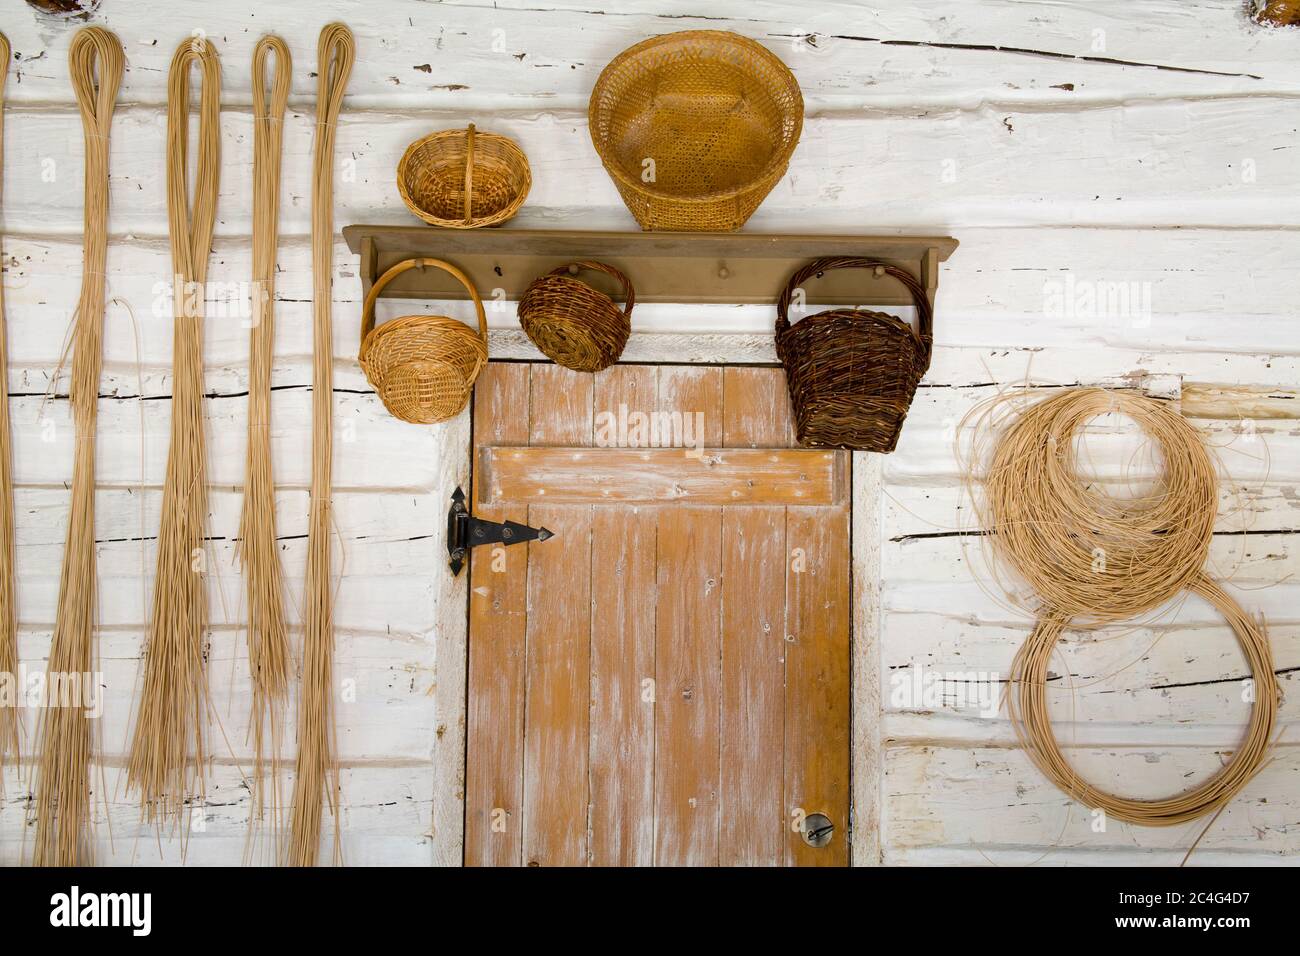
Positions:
{"x": 268, "y": 644}
{"x": 167, "y": 753}
{"x": 8, "y": 597}
{"x": 316, "y": 767}
{"x": 62, "y": 793}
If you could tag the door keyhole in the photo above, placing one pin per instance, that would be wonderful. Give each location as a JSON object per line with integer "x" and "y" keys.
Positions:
{"x": 817, "y": 829}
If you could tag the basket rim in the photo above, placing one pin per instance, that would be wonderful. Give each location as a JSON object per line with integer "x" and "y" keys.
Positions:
{"x": 506, "y": 212}
{"x": 775, "y": 167}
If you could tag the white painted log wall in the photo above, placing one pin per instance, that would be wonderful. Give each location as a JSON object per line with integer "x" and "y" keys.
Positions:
{"x": 1148, "y": 141}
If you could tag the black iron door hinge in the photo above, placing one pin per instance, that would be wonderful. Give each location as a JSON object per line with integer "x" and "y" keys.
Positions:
{"x": 464, "y": 531}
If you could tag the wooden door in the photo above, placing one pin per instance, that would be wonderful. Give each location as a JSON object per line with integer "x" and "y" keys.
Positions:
{"x": 665, "y": 681}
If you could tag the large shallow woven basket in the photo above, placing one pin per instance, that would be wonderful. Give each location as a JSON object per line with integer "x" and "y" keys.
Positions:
{"x": 852, "y": 372}
{"x": 695, "y": 128}
{"x": 422, "y": 366}
{"x": 463, "y": 179}
{"x": 574, "y": 324}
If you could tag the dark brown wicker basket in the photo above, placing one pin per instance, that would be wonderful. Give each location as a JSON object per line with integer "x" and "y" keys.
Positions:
{"x": 852, "y": 372}
{"x": 573, "y": 324}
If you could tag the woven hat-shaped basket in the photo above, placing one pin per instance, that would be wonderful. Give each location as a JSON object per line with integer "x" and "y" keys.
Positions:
{"x": 422, "y": 366}
{"x": 695, "y": 128}
{"x": 574, "y": 324}
{"x": 463, "y": 179}
{"x": 851, "y": 372}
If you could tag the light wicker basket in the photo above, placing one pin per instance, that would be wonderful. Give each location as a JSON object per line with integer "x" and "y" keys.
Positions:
{"x": 695, "y": 128}
{"x": 463, "y": 179}
{"x": 574, "y": 324}
{"x": 852, "y": 373}
{"x": 422, "y": 366}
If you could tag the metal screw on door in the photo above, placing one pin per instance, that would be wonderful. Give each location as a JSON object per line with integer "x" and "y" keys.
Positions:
{"x": 817, "y": 829}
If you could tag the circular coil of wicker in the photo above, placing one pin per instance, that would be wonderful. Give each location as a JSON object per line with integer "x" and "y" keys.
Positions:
{"x": 852, "y": 372}
{"x": 422, "y": 366}
{"x": 573, "y": 324}
{"x": 463, "y": 179}
{"x": 695, "y": 128}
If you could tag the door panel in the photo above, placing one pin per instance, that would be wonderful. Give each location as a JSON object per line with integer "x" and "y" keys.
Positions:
{"x": 661, "y": 683}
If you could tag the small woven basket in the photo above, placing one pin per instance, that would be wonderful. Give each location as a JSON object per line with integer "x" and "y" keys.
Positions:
{"x": 422, "y": 366}
{"x": 852, "y": 373}
{"x": 463, "y": 179}
{"x": 710, "y": 118}
{"x": 573, "y": 324}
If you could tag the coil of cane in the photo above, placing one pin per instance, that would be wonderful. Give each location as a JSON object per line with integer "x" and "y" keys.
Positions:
{"x": 316, "y": 768}
{"x": 166, "y": 764}
{"x": 268, "y": 643}
{"x": 574, "y": 324}
{"x": 464, "y": 178}
{"x": 62, "y": 792}
{"x": 422, "y": 366}
{"x": 8, "y": 594}
{"x": 1092, "y": 556}
{"x": 1027, "y": 704}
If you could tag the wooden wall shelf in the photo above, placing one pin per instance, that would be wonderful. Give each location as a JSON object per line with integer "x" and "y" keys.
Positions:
{"x": 686, "y": 267}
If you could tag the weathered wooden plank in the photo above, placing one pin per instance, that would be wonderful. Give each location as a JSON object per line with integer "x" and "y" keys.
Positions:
{"x": 385, "y": 820}
{"x": 684, "y": 475}
{"x": 556, "y": 714}
{"x": 494, "y": 767}
{"x": 867, "y": 651}
{"x": 1154, "y": 163}
{"x": 754, "y": 560}
{"x": 624, "y": 596}
{"x": 995, "y": 798}
{"x": 688, "y": 649}
{"x": 817, "y": 669}
{"x": 521, "y": 55}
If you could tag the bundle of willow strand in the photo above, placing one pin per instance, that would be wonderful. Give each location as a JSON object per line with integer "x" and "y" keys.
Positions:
{"x": 268, "y": 643}
{"x": 1090, "y": 555}
{"x": 316, "y": 767}
{"x": 8, "y": 596}
{"x": 166, "y": 764}
{"x": 1027, "y": 706}
{"x": 1093, "y": 559}
{"x": 62, "y": 793}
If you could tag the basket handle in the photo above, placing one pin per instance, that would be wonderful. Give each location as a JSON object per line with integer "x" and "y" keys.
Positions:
{"x": 368, "y": 310}
{"x": 469, "y": 173}
{"x": 579, "y": 265}
{"x": 924, "y": 312}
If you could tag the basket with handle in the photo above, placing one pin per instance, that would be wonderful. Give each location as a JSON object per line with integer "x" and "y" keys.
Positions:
{"x": 463, "y": 178}
{"x": 852, "y": 373}
{"x": 695, "y": 128}
{"x": 574, "y": 324}
{"x": 422, "y": 366}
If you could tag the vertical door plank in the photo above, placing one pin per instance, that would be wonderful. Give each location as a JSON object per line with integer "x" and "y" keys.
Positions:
{"x": 754, "y": 561}
{"x": 756, "y": 409}
{"x": 688, "y": 644}
{"x": 623, "y": 594}
{"x": 817, "y": 678}
{"x": 498, "y": 592}
{"x": 556, "y": 733}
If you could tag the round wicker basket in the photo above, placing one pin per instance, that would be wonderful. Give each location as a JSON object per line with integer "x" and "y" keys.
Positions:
{"x": 695, "y": 128}
{"x": 574, "y": 324}
{"x": 422, "y": 366}
{"x": 463, "y": 179}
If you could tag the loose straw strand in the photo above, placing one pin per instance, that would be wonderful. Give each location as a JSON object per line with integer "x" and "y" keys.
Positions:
{"x": 268, "y": 645}
{"x": 316, "y": 767}
{"x": 166, "y": 765}
{"x": 9, "y": 746}
{"x": 62, "y": 793}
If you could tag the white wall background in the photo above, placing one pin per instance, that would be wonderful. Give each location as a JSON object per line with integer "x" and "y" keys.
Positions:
{"x": 1147, "y": 141}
